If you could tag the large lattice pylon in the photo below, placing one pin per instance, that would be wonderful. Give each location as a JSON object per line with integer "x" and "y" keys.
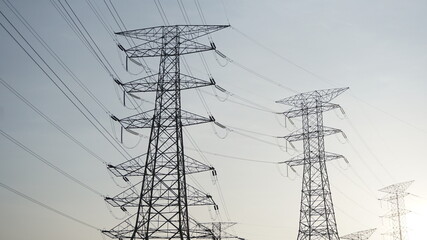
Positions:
{"x": 317, "y": 216}
{"x": 163, "y": 196}
{"x": 360, "y": 235}
{"x": 395, "y": 196}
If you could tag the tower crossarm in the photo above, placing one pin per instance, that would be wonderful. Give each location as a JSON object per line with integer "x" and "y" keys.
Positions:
{"x": 301, "y": 160}
{"x": 149, "y": 49}
{"x": 396, "y": 188}
{"x": 144, "y": 120}
{"x": 394, "y": 197}
{"x": 153, "y": 39}
{"x": 360, "y": 235}
{"x": 136, "y": 166}
{"x": 396, "y": 213}
{"x": 186, "y": 32}
{"x": 130, "y": 198}
{"x": 124, "y": 230}
{"x": 301, "y": 134}
{"x": 310, "y": 98}
{"x": 321, "y": 106}
{"x": 219, "y": 230}
{"x": 132, "y": 167}
{"x": 150, "y": 84}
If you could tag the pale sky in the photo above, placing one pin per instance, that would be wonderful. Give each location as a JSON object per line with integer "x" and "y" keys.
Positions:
{"x": 377, "y": 48}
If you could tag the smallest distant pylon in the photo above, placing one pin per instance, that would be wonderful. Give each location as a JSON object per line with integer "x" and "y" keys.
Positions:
{"x": 395, "y": 195}
{"x": 361, "y": 235}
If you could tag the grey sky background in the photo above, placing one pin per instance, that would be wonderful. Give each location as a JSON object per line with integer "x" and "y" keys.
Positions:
{"x": 377, "y": 48}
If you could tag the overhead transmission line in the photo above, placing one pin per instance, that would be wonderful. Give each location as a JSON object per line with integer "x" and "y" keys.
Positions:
{"x": 49, "y": 164}
{"x": 61, "y": 213}
{"x": 53, "y": 54}
{"x": 259, "y": 75}
{"x": 64, "y": 89}
{"x": 232, "y": 157}
{"x": 202, "y": 99}
{"x": 52, "y": 122}
{"x": 71, "y": 18}
{"x": 331, "y": 83}
{"x": 186, "y": 18}
{"x": 122, "y": 27}
{"x": 272, "y": 81}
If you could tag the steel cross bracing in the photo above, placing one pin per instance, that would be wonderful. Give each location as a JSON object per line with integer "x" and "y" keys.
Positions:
{"x": 219, "y": 230}
{"x": 163, "y": 196}
{"x": 361, "y": 235}
{"x": 317, "y": 216}
{"x": 395, "y": 195}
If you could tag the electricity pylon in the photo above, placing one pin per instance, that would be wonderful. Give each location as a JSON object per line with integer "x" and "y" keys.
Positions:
{"x": 317, "y": 216}
{"x": 361, "y": 235}
{"x": 395, "y": 195}
{"x": 164, "y": 196}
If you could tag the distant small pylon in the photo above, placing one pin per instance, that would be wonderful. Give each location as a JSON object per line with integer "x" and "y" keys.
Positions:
{"x": 361, "y": 235}
{"x": 395, "y": 195}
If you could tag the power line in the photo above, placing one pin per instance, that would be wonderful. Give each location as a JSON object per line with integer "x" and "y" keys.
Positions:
{"x": 76, "y": 102}
{"x": 330, "y": 82}
{"x": 282, "y": 57}
{"x": 370, "y": 149}
{"x": 232, "y": 157}
{"x": 55, "y": 56}
{"x": 259, "y": 75}
{"x": 49, "y": 164}
{"x": 49, "y": 120}
{"x": 92, "y": 49}
{"x": 20, "y": 194}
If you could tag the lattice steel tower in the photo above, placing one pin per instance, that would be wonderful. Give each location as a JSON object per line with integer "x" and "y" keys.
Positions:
{"x": 317, "y": 216}
{"x": 395, "y": 195}
{"x": 164, "y": 196}
{"x": 361, "y": 235}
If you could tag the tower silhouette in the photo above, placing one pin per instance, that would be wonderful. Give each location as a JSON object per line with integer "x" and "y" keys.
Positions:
{"x": 163, "y": 196}
{"x": 317, "y": 216}
{"x": 395, "y": 195}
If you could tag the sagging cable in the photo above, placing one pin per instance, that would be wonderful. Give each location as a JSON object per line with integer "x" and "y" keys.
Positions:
{"x": 112, "y": 213}
{"x": 217, "y": 60}
{"x": 221, "y": 126}
{"x": 347, "y": 164}
{"x": 221, "y": 99}
{"x": 112, "y": 177}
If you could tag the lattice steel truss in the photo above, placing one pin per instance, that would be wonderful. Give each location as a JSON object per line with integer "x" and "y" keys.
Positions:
{"x": 219, "y": 230}
{"x": 163, "y": 196}
{"x": 395, "y": 195}
{"x": 361, "y": 235}
{"x": 317, "y": 216}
